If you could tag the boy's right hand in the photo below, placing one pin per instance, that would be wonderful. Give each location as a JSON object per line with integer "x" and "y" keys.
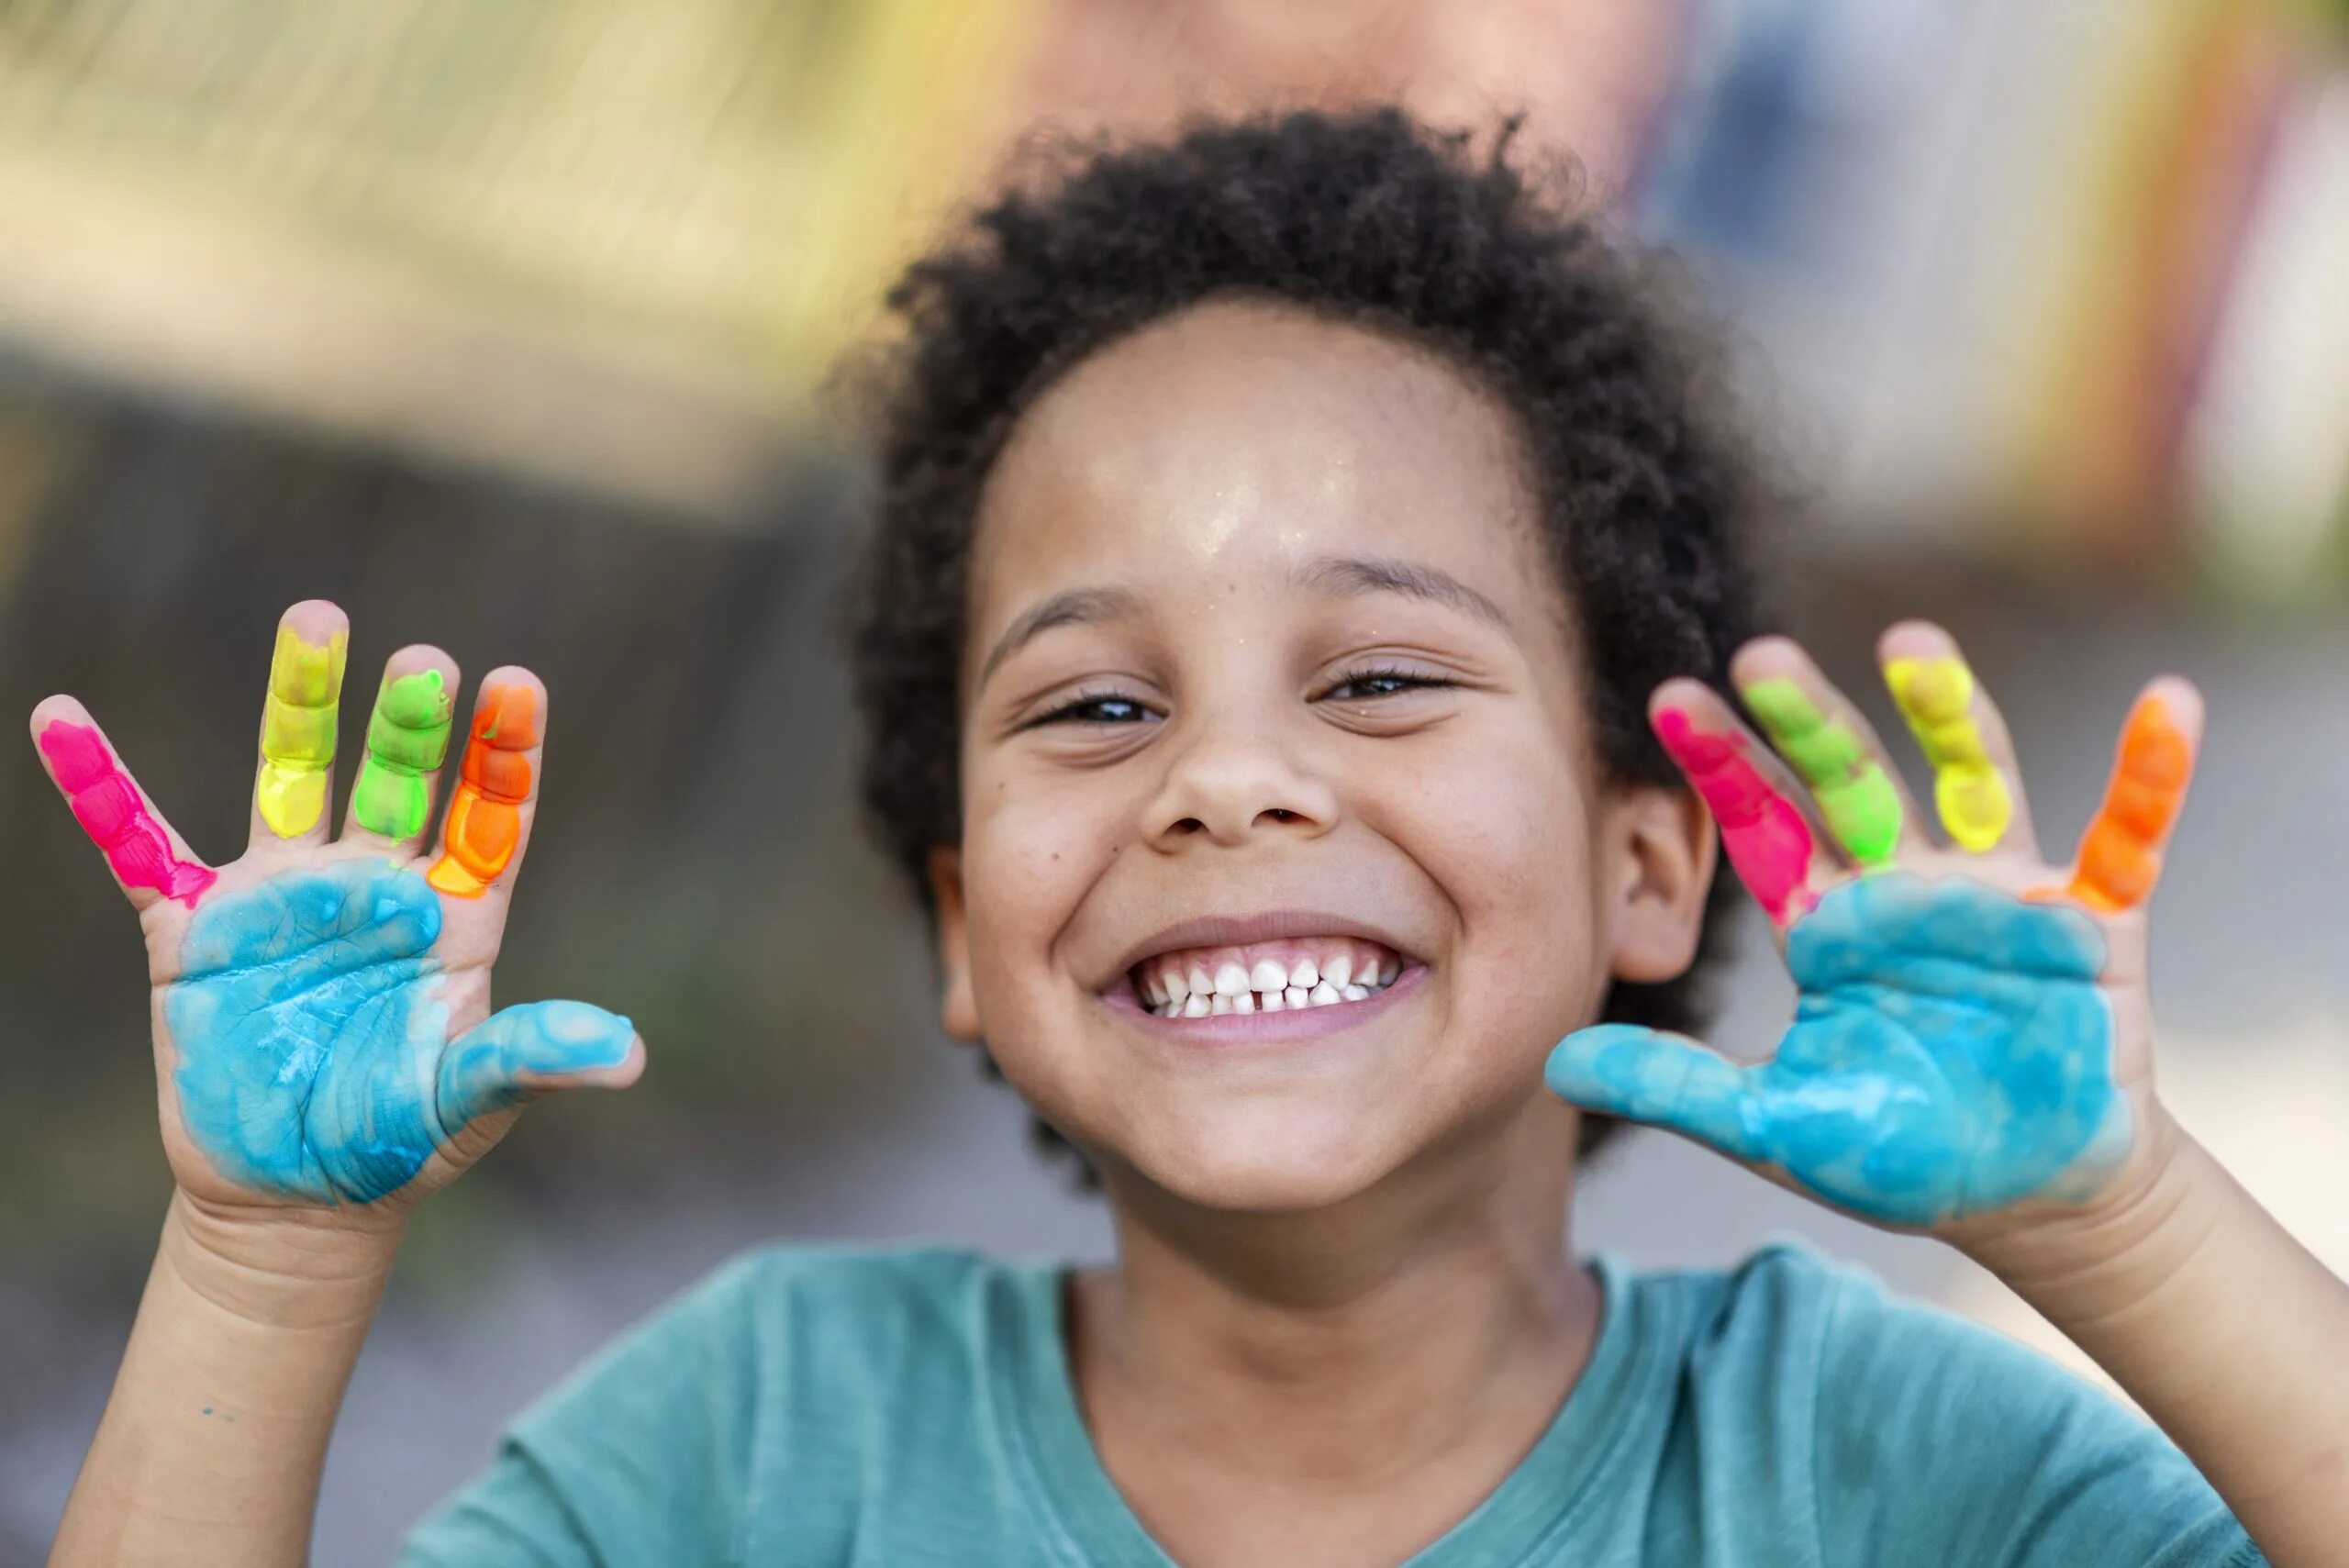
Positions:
{"x": 323, "y": 1048}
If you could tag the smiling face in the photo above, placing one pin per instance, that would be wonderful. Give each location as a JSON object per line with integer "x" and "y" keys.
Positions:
{"x": 1268, "y": 674}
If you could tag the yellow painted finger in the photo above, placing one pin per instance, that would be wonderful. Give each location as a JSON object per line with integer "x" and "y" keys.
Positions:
{"x": 297, "y": 731}
{"x": 1970, "y": 794}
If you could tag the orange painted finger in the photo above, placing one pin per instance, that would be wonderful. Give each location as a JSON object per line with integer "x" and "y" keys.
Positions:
{"x": 2121, "y": 854}
{"x": 495, "y": 782}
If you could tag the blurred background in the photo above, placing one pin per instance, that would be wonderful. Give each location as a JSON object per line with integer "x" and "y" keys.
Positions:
{"x": 506, "y": 324}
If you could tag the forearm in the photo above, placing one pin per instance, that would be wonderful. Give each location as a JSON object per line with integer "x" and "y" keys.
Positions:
{"x": 214, "y": 1436}
{"x": 2227, "y": 1332}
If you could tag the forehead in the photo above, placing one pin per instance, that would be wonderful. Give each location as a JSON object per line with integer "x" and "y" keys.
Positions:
{"x": 1231, "y": 436}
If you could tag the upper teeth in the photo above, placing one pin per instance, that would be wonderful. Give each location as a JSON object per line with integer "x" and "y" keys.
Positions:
{"x": 1319, "y": 973}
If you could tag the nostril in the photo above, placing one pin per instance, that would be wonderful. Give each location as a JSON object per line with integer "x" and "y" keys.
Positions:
{"x": 1279, "y": 814}
{"x": 1190, "y": 825}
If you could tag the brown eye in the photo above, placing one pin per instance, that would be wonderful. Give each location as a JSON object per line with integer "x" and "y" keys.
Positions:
{"x": 1371, "y": 684}
{"x": 1105, "y": 709}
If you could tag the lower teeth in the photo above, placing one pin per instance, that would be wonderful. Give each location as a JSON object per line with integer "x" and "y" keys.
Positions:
{"x": 1216, "y": 1006}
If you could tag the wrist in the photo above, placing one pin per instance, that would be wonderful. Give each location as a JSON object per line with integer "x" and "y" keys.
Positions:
{"x": 290, "y": 1268}
{"x": 2086, "y": 1263}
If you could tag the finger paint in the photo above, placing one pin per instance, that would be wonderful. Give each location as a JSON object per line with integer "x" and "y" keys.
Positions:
{"x": 297, "y": 731}
{"x": 1952, "y": 1054}
{"x": 408, "y": 738}
{"x": 1936, "y": 696}
{"x": 496, "y": 1065}
{"x": 2119, "y": 858}
{"x": 1763, "y": 834}
{"x": 484, "y": 822}
{"x": 1862, "y": 808}
{"x": 313, "y": 1062}
{"x": 111, "y": 811}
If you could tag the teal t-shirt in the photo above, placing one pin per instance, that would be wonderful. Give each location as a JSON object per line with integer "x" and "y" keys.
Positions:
{"x": 899, "y": 1408}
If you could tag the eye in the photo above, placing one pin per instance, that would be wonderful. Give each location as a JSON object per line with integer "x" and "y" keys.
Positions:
{"x": 1365, "y": 685}
{"x": 1096, "y": 708}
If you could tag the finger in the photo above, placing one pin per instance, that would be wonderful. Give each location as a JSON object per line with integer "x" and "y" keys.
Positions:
{"x": 150, "y": 861}
{"x": 2120, "y": 856}
{"x": 297, "y": 725}
{"x": 1962, "y": 737}
{"x": 407, "y": 739}
{"x": 1664, "y": 1080}
{"x": 533, "y": 1050}
{"x": 496, "y": 793}
{"x": 1765, "y": 833}
{"x": 1833, "y": 748}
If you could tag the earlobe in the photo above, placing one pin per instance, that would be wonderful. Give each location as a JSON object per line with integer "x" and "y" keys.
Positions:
{"x": 958, "y": 1009}
{"x": 1664, "y": 856}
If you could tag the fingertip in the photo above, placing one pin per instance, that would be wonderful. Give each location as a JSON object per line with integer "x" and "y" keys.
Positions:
{"x": 1914, "y": 638}
{"x": 56, "y": 708}
{"x": 315, "y": 620}
{"x": 621, "y": 1074}
{"x": 512, "y": 705}
{"x": 1681, "y": 693}
{"x": 2181, "y": 704}
{"x": 1574, "y": 1070}
{"x": 514, "y": 676}
{"x": 417, "y": 658}
{"x": 1767, "y": 657}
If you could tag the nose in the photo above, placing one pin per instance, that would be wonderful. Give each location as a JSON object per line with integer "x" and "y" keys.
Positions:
{"x": 1230, "y": 783}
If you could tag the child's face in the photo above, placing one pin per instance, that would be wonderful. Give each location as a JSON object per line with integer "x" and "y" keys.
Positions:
{"x": 1237, "y": 541}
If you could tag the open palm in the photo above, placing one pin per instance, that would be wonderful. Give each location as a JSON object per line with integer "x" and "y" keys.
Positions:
{"x": 1972, "y": 1030}
{"x": 320, "y": 1008}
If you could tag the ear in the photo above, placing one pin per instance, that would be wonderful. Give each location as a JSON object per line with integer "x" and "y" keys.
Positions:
{"x": 958, "y": 1009}
{"x": 1662, "y": 861}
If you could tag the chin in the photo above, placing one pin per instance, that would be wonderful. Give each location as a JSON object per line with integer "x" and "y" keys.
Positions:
{"x": 1261, "y": 1159}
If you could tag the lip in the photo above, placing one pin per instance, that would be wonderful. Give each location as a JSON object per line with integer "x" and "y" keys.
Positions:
{"x": 1269, "y": 1029}
{"x": 1238, "y": 931}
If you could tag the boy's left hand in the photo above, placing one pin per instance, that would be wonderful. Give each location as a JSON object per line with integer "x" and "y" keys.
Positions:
{"x": 1971, "y": 1049}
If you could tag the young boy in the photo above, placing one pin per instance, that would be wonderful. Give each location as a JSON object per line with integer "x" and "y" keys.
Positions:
{"x": 1293, "y": 543}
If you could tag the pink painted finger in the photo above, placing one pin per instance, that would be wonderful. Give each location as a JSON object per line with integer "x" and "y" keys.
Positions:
{"x": 147, "y": 858}
{"x": 1765, "y": 835}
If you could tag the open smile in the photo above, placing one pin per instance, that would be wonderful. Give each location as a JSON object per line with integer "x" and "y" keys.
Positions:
{"x": 1266, "y": 977}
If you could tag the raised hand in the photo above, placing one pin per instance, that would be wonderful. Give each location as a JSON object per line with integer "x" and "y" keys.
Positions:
{"x": 321, "y": 1024}
{"x": 1972, "y": 1031}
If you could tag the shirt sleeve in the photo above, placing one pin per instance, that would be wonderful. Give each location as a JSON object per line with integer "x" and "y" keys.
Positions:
{"x": 641, "y": 1457}
{"x": 1939, "y": 1442}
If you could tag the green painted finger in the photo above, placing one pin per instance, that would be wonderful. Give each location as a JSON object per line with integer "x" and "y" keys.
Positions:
{"x": 407, "y": 737}
{"x": 1861, "y": 807}
{"x": 297, "y": 731}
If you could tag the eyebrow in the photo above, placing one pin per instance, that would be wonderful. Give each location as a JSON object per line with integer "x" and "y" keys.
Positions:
{"x": 1075, "y": 607}
{"x": 1349, "y": 576}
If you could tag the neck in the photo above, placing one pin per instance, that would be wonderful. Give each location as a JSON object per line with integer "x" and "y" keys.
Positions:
{"x": 1348, "y": 1346}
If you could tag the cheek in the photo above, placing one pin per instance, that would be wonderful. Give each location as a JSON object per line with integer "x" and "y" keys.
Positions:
{"x": 1028, "y": 856}
{"x": 1508, "y": 842}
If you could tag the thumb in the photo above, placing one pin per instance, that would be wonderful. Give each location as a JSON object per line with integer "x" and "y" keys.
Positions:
{"x": 535, "y": 1049}
{"x": 1664, "y": 1080}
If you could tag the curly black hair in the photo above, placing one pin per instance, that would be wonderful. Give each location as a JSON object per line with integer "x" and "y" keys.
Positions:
{"x": 1367, "y": 218}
